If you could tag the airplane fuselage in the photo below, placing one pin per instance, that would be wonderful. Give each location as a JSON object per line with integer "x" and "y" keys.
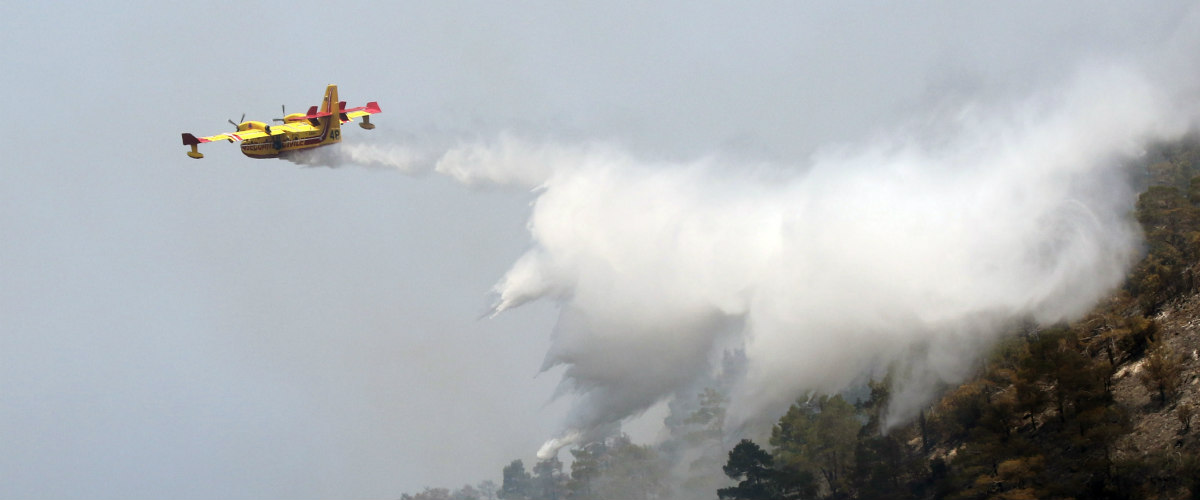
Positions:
{"x": 280, "y": 145}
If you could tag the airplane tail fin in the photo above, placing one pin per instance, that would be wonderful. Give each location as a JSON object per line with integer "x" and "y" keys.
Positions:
{"x": 331, "y": 105}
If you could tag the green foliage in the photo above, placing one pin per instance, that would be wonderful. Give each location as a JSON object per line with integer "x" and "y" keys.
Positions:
{"x": 961, "y": 412}
{"x": 548, "y": 482}
{"x": 429, "y": 494}
{"x": 885, "y": 467}
{"x": 710, "y": 417}
{"x": 617, "y": 469}
{"x": 632, "y": 471}
{"x": 1173, "y": 163}
{"x": 824, "y": 445}
{"x": 518, "y": 484}
{"x": 818, "y": 437}
{"x": 1172, "y": 227}
{"x": 701, "y": 446}
{"x": 585, "y": 469}
{"x": 751, "y": 466}
{"x": 485, "y": 490}
{"x": 1044, "y": 430}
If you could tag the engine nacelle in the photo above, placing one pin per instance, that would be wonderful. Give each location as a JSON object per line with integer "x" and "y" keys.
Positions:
{"x": 251, "y": 125}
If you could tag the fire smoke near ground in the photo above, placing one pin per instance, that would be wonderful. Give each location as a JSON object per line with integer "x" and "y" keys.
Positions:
{"x": 911, "y": 252}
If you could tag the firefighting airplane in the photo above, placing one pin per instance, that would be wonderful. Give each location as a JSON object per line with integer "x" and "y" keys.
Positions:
{"x": 299, "y": 131}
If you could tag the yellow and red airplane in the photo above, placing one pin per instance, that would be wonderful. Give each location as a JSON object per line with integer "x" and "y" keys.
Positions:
{"x": 299, "y": 131}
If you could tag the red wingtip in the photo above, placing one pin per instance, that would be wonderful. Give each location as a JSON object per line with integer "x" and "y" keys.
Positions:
{"x": 189, "y": 139}
{"x": 373, "y": 107}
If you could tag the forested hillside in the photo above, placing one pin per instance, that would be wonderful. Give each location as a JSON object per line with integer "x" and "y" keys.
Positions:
{"x": 1099, "y": 408}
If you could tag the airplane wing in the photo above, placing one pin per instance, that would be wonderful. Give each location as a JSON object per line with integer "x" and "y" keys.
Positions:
{"x": 296, "y": 126}
{"x": 235, "y": 136}
{"x": 255, "y": 133}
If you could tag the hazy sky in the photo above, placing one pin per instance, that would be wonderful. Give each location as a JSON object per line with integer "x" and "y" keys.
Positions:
{"x": 237, "y": 328}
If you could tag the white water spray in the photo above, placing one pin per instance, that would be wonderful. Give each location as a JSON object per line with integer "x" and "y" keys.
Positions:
{"x": 910, "y": 252}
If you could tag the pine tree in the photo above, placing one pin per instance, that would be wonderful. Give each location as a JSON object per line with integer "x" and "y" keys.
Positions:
{"x": 751, "y": 466}
{"x": 517, "y": 483}
{"x": 818, "y": 438}
{"x": 548, "y": 482}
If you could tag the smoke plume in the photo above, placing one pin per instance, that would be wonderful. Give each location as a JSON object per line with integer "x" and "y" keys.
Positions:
{"x": 910, "y": 252}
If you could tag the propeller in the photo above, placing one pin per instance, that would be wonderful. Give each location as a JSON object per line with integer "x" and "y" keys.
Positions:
{"x": 235, "y": 125}
{"x": 282, "y": 111}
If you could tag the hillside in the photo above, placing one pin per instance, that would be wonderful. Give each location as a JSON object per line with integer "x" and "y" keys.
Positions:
{"x": 1161, "y": 438}
{"x": 1099, "y": 408}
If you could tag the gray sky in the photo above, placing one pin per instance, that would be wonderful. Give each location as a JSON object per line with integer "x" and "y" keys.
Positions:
{"x": 236, "y": 328}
